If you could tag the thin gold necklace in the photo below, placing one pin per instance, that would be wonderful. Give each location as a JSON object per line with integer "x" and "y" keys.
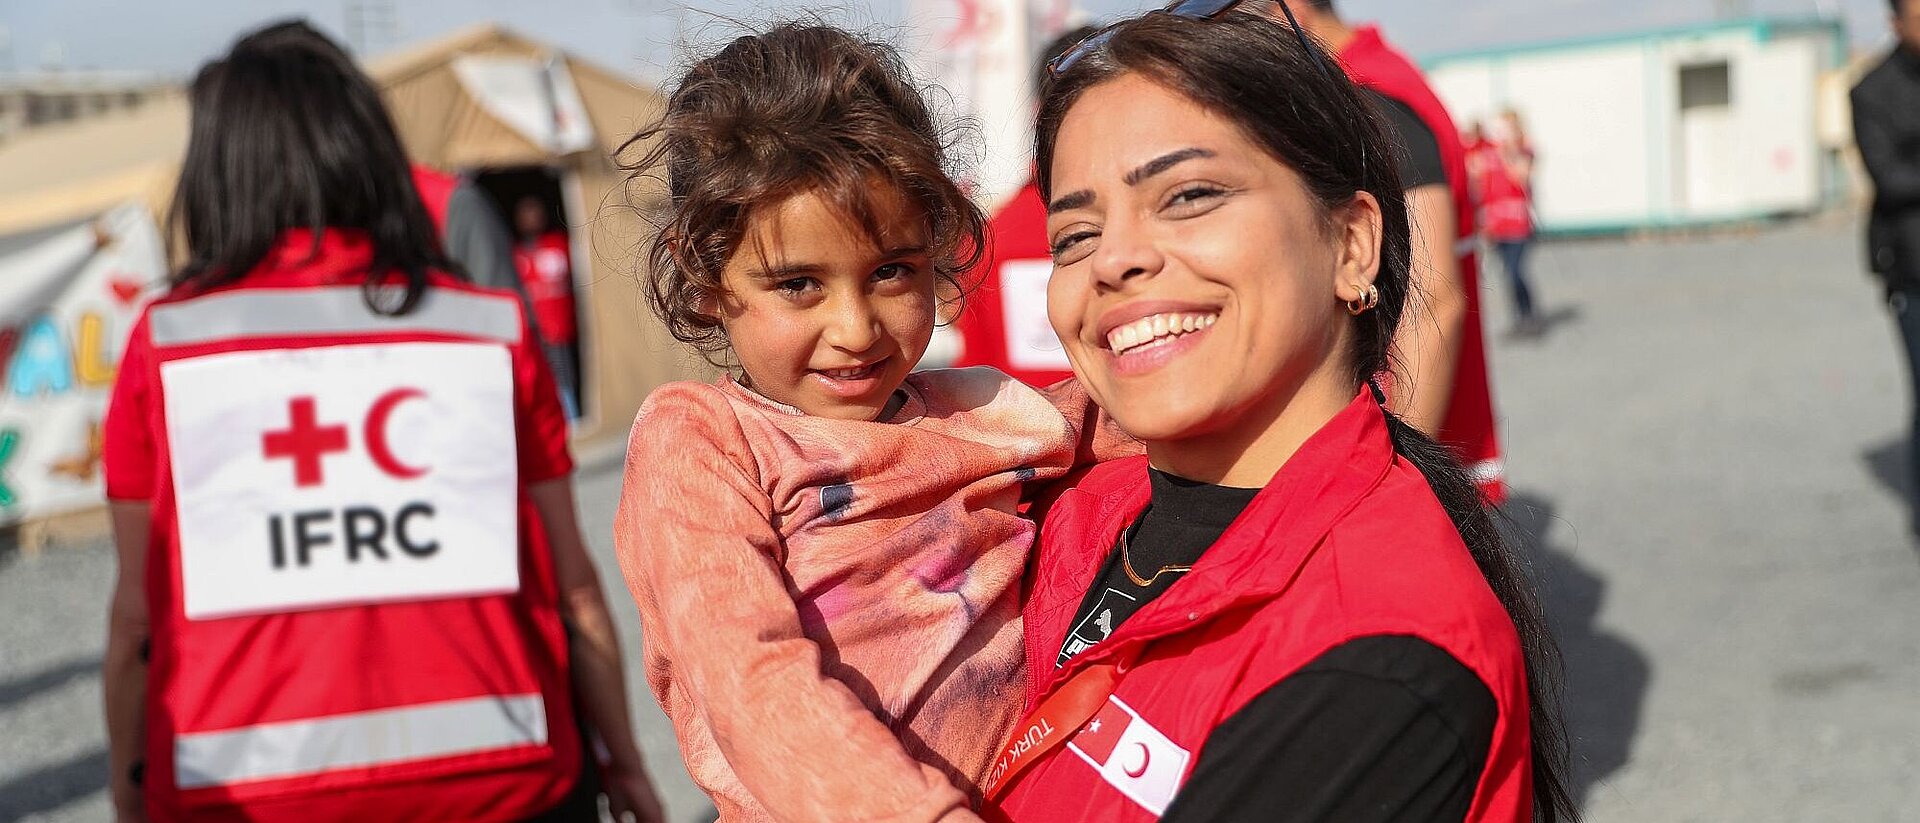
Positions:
{"x": 1126, "y": 563}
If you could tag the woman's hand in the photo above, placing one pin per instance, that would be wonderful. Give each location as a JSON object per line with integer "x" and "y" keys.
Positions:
{"x": 129, "y": 805}
{"x": 123, "y": 669}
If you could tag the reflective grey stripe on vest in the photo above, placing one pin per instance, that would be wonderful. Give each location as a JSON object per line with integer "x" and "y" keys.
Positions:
{"x": 304, "y": 747}
{"x": 329, "y": 310}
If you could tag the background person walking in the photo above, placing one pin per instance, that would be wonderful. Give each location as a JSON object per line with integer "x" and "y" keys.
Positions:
{"x": 1886, "y": 123}
{"x": 1500, "y": 164}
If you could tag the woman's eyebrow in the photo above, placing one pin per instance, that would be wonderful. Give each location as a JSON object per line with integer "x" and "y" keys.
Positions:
{"x": 1164, "y": 162}
{"x": 1084, "y": 197}
{"x": 1077, "y": 200}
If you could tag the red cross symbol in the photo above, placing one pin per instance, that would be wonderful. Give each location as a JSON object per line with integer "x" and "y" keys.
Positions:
{"x": 304, "y": 440}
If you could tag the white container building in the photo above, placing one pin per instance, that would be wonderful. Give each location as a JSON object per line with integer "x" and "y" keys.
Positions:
{"x": 1671, "y": 128}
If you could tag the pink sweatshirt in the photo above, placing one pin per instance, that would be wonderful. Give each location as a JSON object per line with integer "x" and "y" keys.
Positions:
{"x": 831, "y": 608}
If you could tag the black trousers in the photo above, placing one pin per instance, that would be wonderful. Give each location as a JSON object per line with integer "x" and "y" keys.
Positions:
{"x": 1513, "y": 258}
{"x": 1906, "y": 314}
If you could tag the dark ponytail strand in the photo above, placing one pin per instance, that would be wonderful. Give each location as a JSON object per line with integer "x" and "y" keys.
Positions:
{"x": 1507, "y": 574}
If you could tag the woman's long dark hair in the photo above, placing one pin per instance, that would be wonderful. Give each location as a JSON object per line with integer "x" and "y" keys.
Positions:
{"x": 287, "y": 133}
{"x": 1255, "y": 72}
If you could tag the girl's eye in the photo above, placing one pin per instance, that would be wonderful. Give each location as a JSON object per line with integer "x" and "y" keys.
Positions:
{"x": 1073, "y": 246}
{"x": 794, "y": 286}
{"x": 892, "y": 271}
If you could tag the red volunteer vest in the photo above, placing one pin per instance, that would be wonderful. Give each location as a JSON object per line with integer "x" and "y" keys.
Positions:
{"x": 354, "y": 607}
{"x": 1346, "y": 541}
{"x": 1005, "y": 323}
{"x": 1469, "y": 426}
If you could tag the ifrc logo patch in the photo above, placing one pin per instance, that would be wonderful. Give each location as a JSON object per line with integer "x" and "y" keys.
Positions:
{"x": 310, "y": 478}
{"x": 1132, "y": 755}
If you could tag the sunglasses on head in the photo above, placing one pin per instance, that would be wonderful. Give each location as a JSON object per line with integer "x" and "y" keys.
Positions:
{"x": 1191, "y": 9}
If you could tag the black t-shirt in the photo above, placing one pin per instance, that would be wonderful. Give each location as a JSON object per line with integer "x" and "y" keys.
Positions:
{"x": 1184, "y": 518}
{"x": 1417, "y": 149}
{"x": 1378, "y": 728}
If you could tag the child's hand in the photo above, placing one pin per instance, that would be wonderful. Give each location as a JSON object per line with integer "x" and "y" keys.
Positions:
{"x": 630, "y": 795}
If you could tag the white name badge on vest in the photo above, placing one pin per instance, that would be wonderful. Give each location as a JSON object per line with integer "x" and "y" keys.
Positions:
{"x": 311, "y": 478}
{"x": 1031, "y": 343}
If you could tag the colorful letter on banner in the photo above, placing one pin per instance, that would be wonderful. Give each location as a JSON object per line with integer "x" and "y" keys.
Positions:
{"x": 68, "y": 298}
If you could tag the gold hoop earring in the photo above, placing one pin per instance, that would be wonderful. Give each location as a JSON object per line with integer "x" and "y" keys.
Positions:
{"x": 1367, "y": 299}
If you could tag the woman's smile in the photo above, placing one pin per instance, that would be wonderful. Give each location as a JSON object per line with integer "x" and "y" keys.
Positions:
{"x": 1151, "y": 342}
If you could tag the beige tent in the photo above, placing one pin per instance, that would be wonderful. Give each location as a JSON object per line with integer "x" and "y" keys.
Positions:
{"x": 75, "y": 171}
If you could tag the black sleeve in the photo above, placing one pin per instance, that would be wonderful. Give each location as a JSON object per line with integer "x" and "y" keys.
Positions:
{"x": 1418, "y": 150}
{"x": 1883, "y": 150}
{"x": 1376, "y": 729}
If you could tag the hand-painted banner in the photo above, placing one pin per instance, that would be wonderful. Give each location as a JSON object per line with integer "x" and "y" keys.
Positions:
{"x": 67, "y": 300}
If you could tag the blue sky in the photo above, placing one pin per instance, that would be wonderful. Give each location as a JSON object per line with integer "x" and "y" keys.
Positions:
{"x": 637, "y": 36}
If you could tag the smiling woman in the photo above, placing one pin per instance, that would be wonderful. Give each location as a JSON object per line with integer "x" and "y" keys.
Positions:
{"x": 1294, "y": 607}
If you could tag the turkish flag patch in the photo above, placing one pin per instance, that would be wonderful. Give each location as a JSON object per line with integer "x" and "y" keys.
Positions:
{"x": 1132, "y": 755}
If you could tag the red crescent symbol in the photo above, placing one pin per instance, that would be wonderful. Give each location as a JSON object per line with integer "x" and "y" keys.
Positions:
{"x": 377, "y": 445}
{"x": 1145, "y": 758}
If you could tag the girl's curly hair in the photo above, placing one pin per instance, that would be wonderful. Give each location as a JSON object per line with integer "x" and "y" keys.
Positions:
{"x": 798, "y": 108}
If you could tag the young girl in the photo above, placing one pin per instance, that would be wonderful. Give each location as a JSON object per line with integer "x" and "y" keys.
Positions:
{"x": 827, "y": 552}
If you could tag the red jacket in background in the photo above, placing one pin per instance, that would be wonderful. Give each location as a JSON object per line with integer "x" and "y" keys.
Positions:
{"x": 1347, "y": 541}
{"x": 1004, "y": 324}
{"x": 354, "y": 609}
{"x": 436, "y": 192}
{"x": 1506, "y": 205}
{"x": 546, "y": 269}
{"x": 1469, "y": 424}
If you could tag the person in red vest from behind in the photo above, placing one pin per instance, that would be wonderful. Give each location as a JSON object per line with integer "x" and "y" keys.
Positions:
{"x": 1004, "y": 324}
{"x": 351, "y": 585}
{"x": 544, "y": 259}
{"x": 1501, "y": 167}
{"x": 1441, "y": 386}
